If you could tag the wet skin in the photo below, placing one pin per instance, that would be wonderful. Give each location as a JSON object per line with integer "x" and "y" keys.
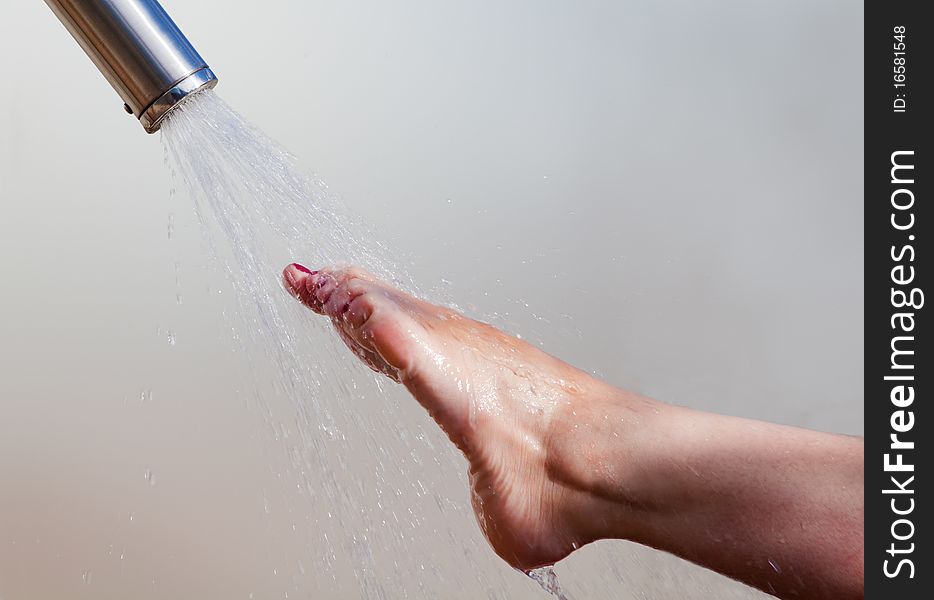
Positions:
{"x": 559, "y": 459}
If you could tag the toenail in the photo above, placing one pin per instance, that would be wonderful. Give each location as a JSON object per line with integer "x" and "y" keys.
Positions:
{"x": 303, "y": 269}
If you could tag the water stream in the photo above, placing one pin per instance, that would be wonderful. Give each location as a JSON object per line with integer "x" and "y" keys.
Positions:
{"x": 349, "y": 447}
{"x": 548, "y": 579}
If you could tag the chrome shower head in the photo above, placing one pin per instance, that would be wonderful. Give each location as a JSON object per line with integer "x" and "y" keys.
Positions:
{"x": 141, "y": 52}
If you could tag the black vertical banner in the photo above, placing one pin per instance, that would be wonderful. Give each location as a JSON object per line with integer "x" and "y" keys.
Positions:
{"x": 899, "y": 373}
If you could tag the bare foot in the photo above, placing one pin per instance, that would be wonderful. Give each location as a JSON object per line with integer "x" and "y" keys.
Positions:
{"x": 559, "y": 459}
{"x": 498, "y": 398}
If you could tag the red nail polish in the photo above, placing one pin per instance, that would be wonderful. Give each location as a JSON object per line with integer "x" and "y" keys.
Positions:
{"x": 303, "y": 269}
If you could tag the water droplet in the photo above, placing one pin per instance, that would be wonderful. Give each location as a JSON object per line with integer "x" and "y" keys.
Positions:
{"x": 86, "y": 577}
{"x": 170, "y": 337}
{"x": 774, "y": 566}
{"x": 547, "y": 578}
{"x": 148, "y": 476}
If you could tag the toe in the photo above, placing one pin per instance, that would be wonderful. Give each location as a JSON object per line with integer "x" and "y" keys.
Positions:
{"x": 348, "y": 287}
{"x": 299, "y": 281}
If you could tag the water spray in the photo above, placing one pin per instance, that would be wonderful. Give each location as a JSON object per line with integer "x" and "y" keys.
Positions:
{"x": 140, "y": 51}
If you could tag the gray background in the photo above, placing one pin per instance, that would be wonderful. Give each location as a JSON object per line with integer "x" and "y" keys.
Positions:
{"x": 666, "y": 193}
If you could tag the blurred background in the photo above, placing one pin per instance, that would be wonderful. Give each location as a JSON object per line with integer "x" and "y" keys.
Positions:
{"x": 665, "y": 193}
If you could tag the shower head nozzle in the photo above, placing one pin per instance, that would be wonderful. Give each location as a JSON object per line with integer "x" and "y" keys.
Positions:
{"x": 141, "y": 52}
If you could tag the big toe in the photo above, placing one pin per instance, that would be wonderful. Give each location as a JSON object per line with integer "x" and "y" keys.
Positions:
{"x": 300, "y": 282}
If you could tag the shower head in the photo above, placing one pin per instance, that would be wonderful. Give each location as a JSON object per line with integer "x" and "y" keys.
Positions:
{"x": 141, "y": 52}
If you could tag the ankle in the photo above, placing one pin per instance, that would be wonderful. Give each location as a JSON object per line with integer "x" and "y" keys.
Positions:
{"x": 596, "y": 451}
